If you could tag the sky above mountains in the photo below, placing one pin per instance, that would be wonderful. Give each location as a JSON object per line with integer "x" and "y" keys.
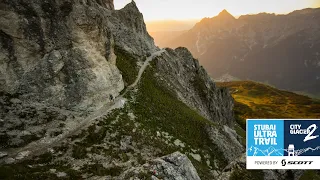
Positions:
{"x": 197, "y": 9}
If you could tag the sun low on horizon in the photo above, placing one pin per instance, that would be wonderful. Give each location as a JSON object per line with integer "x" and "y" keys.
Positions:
{"x": 155, "y": 10}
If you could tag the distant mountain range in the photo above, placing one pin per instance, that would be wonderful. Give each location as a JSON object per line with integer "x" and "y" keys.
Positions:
{"x": 281, "y": 50}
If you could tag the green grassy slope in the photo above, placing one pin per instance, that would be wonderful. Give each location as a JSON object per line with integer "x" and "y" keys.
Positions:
{"x": 155, "y": 120}
{"x": 256, "y": 100}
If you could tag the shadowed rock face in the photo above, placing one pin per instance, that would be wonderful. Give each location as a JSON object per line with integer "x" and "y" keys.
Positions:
{"x": 61, "y": 52}
{"x": 174, "y": 166}
{"x": 194, "y": 86}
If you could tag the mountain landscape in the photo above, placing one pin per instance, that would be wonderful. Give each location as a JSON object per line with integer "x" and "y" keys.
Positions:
{"x": 86, "y": 94}
{"x": 280, "y": 50}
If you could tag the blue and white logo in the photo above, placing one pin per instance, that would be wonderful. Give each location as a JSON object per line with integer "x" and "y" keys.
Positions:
{"x": 283, "y": 144}
{"x": 302, "y": 137}
{"x": 265, "y": 138}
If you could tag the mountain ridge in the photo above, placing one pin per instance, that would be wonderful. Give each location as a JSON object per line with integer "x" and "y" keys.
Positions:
{"x": 252, "y": 45}
{"x": 224, "y": 14}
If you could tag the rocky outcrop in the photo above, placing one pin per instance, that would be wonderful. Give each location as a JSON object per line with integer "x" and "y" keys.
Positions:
{"x": 193, "y": 86}
{"x": 129, "y": 31}
{"x": 175, "y": 166}
{"x": 61, "y": 52}
{"x": 57, "y": 56}
{"x": 228, "y": 142}
{"x": 58, "y": 52}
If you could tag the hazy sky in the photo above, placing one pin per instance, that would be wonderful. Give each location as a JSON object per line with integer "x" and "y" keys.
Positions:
{"x": 198, "y": 9}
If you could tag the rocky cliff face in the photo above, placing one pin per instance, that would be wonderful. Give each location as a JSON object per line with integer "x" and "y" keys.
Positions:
{"x": 183, "y": 74}
{"x": 170, "y": 167}
{"x": 60, "y": 55}
{"x": 58, "y": 63}
{"x": 58, "y": 52}
{"x": 129, "y": 31}
{"x": 61, "y": 52}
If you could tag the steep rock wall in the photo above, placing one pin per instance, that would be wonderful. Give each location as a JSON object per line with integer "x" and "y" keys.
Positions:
{"x": 193, "y": 86}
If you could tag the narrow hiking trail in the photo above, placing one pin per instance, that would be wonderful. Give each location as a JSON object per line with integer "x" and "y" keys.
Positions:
{"x": 144, "y": 66}
{"x": 38, "y": 147}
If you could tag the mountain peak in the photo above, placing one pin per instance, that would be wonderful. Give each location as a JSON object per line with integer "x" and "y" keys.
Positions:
{"x": 225, "y": 14}
{"x": 224, "y": 11}
{"x": 131, "y": 5}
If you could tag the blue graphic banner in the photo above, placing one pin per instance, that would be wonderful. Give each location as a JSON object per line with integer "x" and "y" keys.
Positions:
{"x": 265, "y": 138}
{"x": 283, "y": 144}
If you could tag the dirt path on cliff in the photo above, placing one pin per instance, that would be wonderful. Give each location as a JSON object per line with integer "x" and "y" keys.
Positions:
{"x": 38, "y": 147}
{"x": 144, "y": 66}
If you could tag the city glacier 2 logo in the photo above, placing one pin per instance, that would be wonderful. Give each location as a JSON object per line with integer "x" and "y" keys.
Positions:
{"x": 283, "y": 144}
